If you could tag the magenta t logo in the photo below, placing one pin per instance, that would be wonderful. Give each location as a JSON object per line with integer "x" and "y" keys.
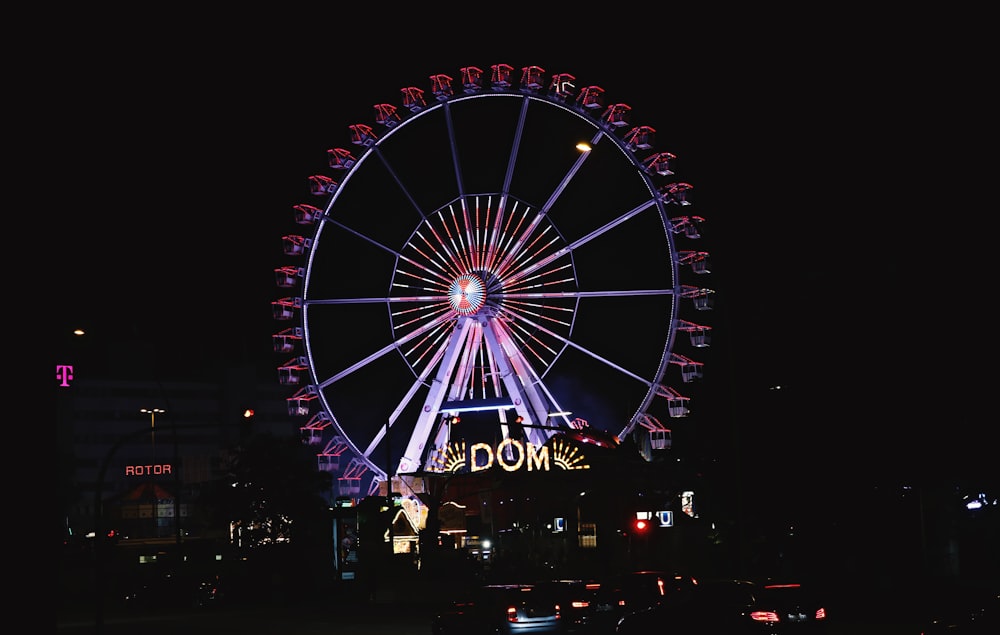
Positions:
{"x": 64, "y": 374}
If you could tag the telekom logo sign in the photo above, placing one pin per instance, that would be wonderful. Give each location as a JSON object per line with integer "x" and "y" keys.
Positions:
{"x": 64, "y": 375}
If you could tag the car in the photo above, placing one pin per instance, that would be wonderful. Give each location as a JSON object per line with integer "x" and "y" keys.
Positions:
{"x": 639, "y": 590}
{"x": 504, "y": 609}
{"x": 161, "y": 587}
{"x": 595, "y": 606}
{"x": 579, "y": 602}
{"x": 734, "y": 606}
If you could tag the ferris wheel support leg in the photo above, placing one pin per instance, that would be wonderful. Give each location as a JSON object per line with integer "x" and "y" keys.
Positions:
{"x": 429, "y": 415}
{"x": 519, "y": 379}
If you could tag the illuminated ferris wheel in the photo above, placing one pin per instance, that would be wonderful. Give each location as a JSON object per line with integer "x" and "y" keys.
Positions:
{"x": 494, "y": 259}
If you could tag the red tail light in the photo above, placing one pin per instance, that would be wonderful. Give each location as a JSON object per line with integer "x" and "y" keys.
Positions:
{"x": 821, "y": 614}
{"x": 764, "y": 616}
{"x": 511, "y": 613}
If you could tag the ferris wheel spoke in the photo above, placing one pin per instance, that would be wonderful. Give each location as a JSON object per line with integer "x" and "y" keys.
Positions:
{"x": 453, "y": 144}
{"x": 569, "y": 248}
{"x": 568, "y": 342}
{"x": 515, "y": 249}
{"x": 515, "y": 148}
{"x": 587, "y": 294}
{"x": 395, "y": 177}
{"x": 328, "y": 220}
{"x": 554, "y": 196}
{"x": 379, "y": 300}
{"x": 638, "y": 209}
{"x": 382, "y": 351}
{"x": 430, "y": 264}
{"x": 584, "y": 154}
{"x": 408, "y": 397}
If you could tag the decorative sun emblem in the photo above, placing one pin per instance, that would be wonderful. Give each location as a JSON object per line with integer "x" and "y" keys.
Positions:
{"x": 451, "y": 459}
{"x": 467, "y": 294}
{"x": 568, "y": 457}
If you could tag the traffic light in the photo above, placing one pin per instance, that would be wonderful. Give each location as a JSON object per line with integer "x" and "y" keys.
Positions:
{"x": 641, "y": 525}
{"x": 517, "y": 428}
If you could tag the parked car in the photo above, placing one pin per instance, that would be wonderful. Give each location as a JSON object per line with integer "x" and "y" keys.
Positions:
{"x": 505, "y": 609}
{"x": 734, "y": 606}
{"x": 164, "y": 588}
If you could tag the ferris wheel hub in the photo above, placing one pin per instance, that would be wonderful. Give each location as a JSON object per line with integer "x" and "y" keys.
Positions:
{"x": 467, "y": 294}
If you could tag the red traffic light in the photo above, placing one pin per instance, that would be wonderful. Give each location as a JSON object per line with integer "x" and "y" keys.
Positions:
{"x": 641, "y": 524}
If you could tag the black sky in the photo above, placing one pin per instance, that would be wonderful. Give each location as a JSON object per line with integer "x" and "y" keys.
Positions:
{"x": 182, "y": 154}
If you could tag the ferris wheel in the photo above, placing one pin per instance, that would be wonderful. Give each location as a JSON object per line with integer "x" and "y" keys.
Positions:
{"x": 504, "y": 256}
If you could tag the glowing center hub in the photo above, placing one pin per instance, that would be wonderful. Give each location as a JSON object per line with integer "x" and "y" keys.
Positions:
{"x": 467, "y": 294}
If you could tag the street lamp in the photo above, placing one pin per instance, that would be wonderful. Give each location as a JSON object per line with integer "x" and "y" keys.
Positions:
{"x": 152, "y": 412}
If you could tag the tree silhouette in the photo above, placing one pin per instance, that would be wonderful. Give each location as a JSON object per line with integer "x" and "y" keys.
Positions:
{"x": 273, "y": 493}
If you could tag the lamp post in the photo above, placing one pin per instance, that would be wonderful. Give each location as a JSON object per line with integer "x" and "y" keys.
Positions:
{"x": 152, "y": 412}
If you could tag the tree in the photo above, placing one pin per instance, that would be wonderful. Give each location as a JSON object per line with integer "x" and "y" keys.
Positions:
{"x": 274, "y": 493}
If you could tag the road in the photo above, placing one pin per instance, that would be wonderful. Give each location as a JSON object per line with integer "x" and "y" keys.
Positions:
{"x": 368, "y": 619}
{"x": 405, "y": 609}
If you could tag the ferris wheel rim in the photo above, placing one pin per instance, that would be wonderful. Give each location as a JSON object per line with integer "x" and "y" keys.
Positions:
{"x": 526, "y": 97}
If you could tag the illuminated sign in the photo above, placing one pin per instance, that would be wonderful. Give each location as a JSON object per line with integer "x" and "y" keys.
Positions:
{"x": 64, "y": 374}
{"x": 511, "y": 455}
{"x": 148, "y": 470}
{"x": 518, "y": 455}
{"x": 687, "y": 503}
{"x": 663, "y": 517}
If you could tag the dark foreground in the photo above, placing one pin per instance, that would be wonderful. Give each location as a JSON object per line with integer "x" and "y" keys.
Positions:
{"x": 378, "y": 620}
{"x": 383, "y": 620}
{"x": 389, "y": 613}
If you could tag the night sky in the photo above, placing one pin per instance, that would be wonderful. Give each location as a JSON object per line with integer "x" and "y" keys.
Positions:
{"x": 182, "y": 155}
